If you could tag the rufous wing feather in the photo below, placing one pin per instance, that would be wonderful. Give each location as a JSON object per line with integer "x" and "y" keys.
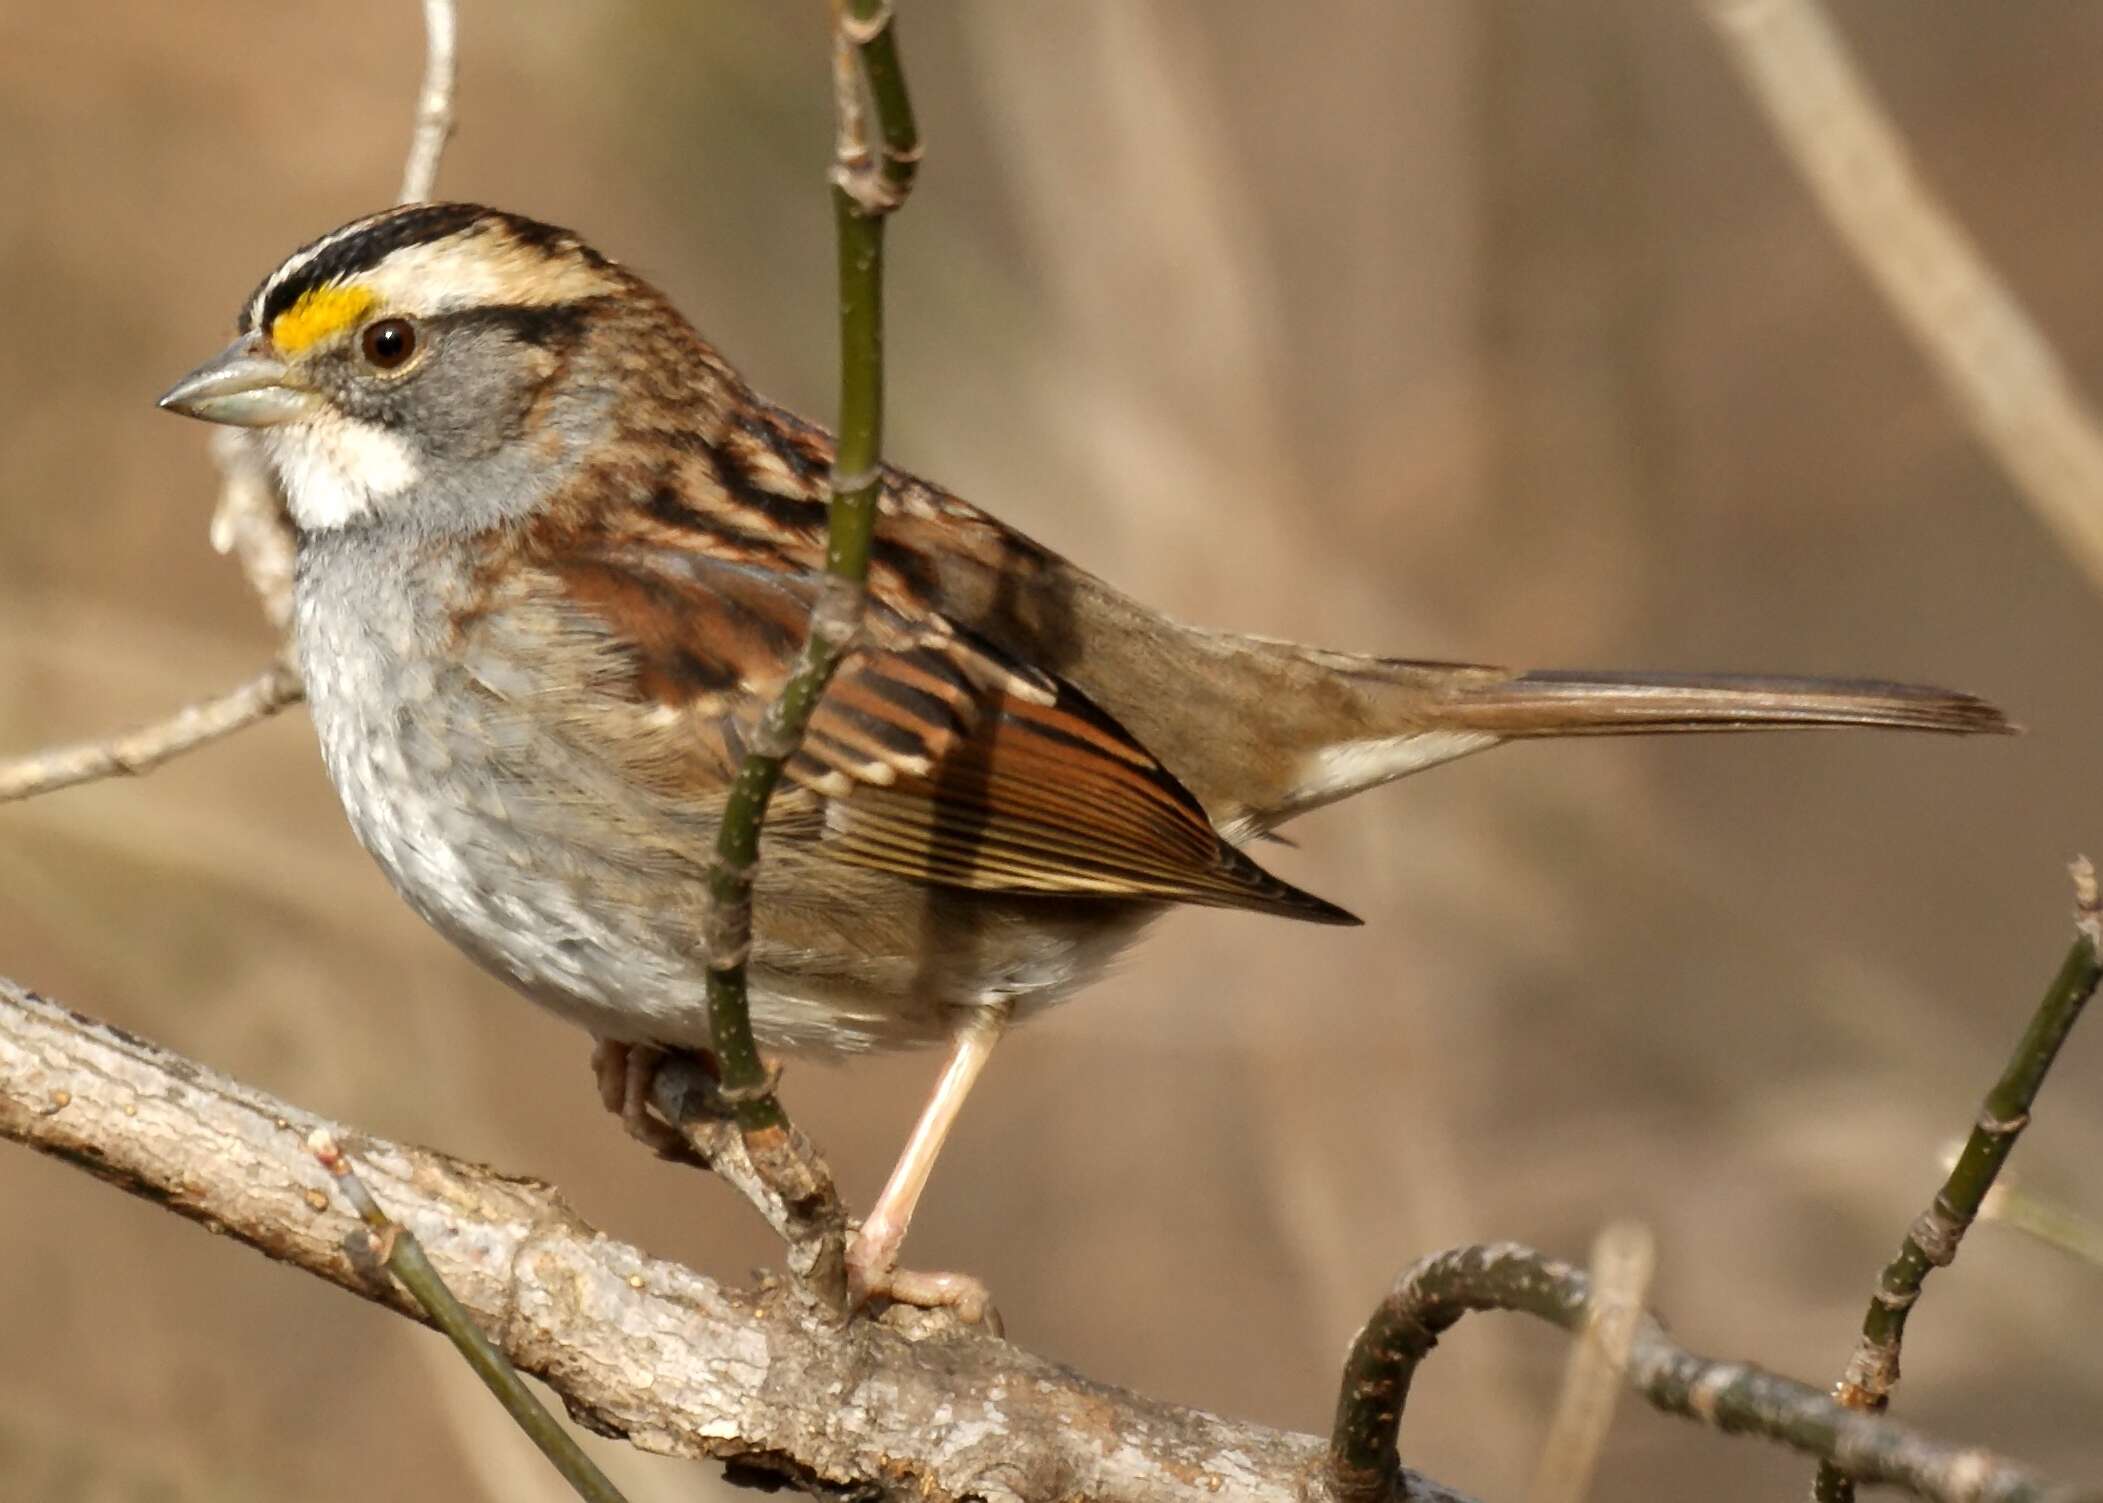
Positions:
{"x": 1051, "y": 798}
{"x": 940, "y": 758}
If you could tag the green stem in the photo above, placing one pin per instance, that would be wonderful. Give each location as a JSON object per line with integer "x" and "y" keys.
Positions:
{"x": 871, "y": 33}
{"x": 836, "y": 619}
{"x": 1932, "y": 1240}
{"x": 405, "y": 1258}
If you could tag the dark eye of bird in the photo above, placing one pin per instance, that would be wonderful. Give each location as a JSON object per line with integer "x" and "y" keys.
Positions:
{"x": 388, "y": 343}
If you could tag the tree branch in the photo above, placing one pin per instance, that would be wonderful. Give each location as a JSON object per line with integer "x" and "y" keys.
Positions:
{"x": 133, "y": 752}
{"x": 636, "y": 1347}
{"x": 250, "y": 523}
{"x": 1931, "y": 1242}
{"x": 396, "y": 1249}
{"x": 434, "y": 102}
{"x": 1735, "y": 1397}
{"x": 1996, "y": 364}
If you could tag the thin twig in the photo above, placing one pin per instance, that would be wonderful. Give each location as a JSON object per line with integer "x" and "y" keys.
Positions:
{"x": 397, "y": 1249}
{"x": 877, "y": 180}
{"x": 249, "y": 522}
{"x": 778, "y": 1170}
{"x": 2049, "y": 1222}
{"x": 434, "y": 103}
{"x": 132, "y": 752}
{"x": 1932, "y": 1241}
{"x": 836, "y": 619}
{"x": 1734, "y": 1397}
{"x": 866, "y": 78}
{"x": 1997, "y": 365}
{"x": 1623, "y": 1257}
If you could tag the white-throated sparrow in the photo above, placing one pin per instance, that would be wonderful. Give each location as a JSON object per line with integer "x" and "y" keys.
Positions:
{"x": 554, "y": 559}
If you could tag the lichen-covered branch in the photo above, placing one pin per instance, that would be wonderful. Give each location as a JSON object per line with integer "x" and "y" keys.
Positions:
{"x": 1734, "y": 1397}
{"x": 1931, "y": 1242}
{"x": 637, "y": 1347}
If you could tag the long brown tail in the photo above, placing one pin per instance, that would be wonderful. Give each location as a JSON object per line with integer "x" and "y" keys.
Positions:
{"x": 1398, "y": 717}
{"x": 1578, "y": 702}
{"x": 1262, "y": 730}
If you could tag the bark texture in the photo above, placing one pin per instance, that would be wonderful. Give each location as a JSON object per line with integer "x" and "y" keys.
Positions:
{"x": 649, "y": 1350}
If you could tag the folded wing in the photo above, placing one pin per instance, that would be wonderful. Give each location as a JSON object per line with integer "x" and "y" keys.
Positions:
{"x": 940, "y": 759}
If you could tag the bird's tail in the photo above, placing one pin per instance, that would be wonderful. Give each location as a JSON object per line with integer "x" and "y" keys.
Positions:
{"x": 1579, "y": 702}
{"x": 1394, "y": 716}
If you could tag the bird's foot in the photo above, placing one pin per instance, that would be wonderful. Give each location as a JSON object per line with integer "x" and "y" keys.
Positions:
{"x": 873, "y": 1274}
{"x": 625, "y": 1073}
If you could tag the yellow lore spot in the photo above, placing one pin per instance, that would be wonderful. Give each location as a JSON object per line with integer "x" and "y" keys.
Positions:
{"x": 319, "y": 313}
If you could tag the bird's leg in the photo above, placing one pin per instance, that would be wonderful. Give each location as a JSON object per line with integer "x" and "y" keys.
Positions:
{"x": 872, "y": 1255}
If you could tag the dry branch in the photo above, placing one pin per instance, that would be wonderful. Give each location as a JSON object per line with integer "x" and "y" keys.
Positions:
{"x": 1624, "y": 1256}
{"x": 130, "y": 753}
{"x": 1735, "y": 1397}
{"x": 1999, "y": 368}
{"x": 249, "y": 522}
{"x": 434, "y": 102}
{"x": 636, "y": 1347}
{"x": 916, "y": 1403}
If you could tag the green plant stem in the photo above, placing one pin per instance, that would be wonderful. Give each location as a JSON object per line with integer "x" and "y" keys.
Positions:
{"x": 404, "y": 1257}
{"x": 868, "y": 28}
{"x": 868, "y": 77}
{"x": 1931, "y": 1242}
{"x": 1733, "y": 1397}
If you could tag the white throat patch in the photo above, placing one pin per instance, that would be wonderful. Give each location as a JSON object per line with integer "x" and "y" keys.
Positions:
{"x": 336, "y": 470}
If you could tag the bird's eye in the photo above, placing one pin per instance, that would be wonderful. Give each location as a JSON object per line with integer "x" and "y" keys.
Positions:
{"x": 388, "y": 344}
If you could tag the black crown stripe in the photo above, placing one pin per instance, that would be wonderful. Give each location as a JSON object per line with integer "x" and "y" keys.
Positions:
{"x": 346, "y": 254}
{"x": 359, "y": 251}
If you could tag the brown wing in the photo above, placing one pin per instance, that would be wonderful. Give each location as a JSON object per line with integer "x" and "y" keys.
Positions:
{"x": 941, "y": 758}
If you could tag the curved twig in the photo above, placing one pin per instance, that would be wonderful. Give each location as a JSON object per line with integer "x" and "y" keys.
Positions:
{"x": 1734, "y": 1397}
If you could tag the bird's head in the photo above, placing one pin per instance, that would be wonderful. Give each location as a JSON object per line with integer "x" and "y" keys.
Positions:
{"x": 421, "y": 364}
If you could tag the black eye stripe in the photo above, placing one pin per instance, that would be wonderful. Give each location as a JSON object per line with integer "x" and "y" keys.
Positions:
{"x": 548, "y": 326}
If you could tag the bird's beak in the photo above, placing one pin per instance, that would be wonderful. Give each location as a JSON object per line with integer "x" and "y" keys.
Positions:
{"x": 244, "y": 386}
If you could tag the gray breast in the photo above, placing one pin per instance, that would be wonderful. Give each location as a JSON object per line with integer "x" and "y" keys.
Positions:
{"x": 450, "y": 795}
{"x": 471, "y": 773}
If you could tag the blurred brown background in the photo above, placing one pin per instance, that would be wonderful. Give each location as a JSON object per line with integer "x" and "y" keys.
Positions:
{"x": 1486, "y": 330}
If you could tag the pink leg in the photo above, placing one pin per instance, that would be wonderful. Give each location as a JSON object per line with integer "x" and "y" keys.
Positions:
{"x": 872, "y": 1257}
